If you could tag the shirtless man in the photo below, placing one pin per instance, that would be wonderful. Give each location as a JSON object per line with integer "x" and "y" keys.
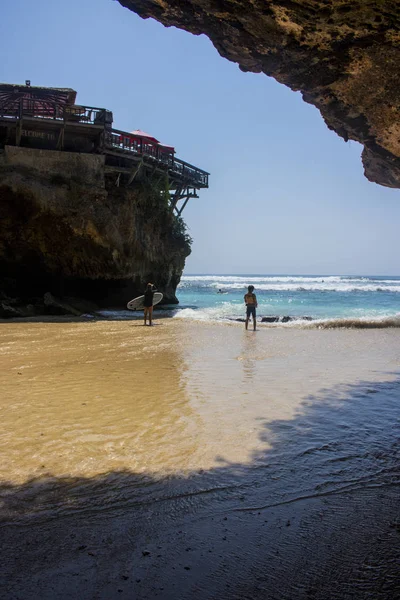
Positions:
{"x": 251, "y": 305}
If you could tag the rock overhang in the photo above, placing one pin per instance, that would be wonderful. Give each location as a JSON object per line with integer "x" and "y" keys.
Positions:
{"x": 342, "y": 55}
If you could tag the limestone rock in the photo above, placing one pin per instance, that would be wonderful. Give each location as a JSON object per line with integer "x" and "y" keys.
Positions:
{"x": 55, "y": 306}
{"x": 343, "y": 55}
{"x": 66, "y": 229}
{"x": 9, "y": 312}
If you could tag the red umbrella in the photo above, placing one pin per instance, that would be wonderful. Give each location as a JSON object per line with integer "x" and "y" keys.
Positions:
{"x": 143, "y": 134}
{"x": 166, "y": 148}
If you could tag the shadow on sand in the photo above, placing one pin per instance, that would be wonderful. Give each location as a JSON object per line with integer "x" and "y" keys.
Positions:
{"x": 312, "y": 515}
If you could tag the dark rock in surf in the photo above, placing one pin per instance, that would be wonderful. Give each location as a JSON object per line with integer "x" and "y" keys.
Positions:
{"x": 285, "y": 319}
{"x": 269, "y": 319}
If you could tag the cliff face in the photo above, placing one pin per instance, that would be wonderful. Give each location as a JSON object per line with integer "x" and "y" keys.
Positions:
{"x": 343, "y": 55}
{"x": 65, "y": 230}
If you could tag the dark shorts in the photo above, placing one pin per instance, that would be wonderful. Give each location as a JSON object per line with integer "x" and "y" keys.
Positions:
{"x": 250, "y": 311}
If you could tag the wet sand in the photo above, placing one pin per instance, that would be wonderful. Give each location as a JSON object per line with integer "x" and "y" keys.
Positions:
{"x": 190, "y": 460}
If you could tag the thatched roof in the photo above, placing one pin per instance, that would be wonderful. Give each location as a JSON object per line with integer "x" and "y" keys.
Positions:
{"x": 13, "y": 91}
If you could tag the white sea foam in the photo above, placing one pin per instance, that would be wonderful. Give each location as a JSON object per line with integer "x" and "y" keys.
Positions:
{"x": 292, "y": 283}
{"x": 330, "y": 301}
{"x": 255, "y": 278}
{"x": 215, "y": 314}
{"x": 315, "y": 287}
{"x": 231, "y": 312}
{"x": 305, "y": 278}
{"x": 224, "y": 311}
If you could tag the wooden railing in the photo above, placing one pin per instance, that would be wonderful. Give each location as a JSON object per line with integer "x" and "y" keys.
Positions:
{"x": 114, "y": 139}
{"x": 189, "y": 172}
{"x": 125, "y": 141}
{"x": 41, "y": 109}
{"x": 140, "y": 146}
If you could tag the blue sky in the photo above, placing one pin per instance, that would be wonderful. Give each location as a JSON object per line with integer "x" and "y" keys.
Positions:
{"x": 286, "y": 194}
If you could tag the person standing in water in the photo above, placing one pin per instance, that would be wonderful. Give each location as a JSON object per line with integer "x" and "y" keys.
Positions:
{"x": 148, "y": 302}
{"x": 251, "y": 304}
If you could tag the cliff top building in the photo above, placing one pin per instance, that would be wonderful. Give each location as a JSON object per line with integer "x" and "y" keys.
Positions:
{"x": 49, "y": 119}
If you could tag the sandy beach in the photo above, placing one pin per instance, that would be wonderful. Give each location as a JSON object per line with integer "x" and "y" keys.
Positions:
{"x": 191, "y": 460}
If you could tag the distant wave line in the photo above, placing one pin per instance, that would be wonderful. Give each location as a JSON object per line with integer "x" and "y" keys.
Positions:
{"x": 305, "y": 287}
{"x": 239, "y": 281}
{"x": 261, "y": 278}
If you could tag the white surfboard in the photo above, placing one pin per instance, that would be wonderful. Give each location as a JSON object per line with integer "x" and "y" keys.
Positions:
{"x": 137, "y": 303}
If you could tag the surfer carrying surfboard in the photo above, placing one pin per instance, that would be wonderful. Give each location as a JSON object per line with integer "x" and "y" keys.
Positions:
{"x": 151, "y": 298}
{"x": 148, "y": 302}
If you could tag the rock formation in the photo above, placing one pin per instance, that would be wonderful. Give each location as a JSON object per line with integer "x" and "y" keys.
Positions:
{"x": 343, "y": 55}
{"x": 65, "y": 230}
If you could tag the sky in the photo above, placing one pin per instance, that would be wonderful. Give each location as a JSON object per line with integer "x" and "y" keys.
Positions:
{"x": 286, "y": 194}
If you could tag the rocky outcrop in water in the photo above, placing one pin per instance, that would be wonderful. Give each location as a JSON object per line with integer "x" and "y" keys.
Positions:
{"x": 343, "y": 55}
{"x": 283, "y": 319}
{"x": 69, "y": 237}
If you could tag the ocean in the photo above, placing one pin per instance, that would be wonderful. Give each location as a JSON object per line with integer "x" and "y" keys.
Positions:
{"x": 307, "y": 300}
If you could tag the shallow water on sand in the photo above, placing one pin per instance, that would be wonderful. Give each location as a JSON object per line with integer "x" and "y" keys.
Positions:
{"x": 191, "y": 421}
{"x": 81, "y": 399}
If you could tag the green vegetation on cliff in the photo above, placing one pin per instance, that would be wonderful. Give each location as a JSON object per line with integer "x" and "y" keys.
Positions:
{"x": 69, "y": 230}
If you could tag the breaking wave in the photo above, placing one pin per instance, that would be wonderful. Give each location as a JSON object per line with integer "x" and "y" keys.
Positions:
{"x": 234, "y": 313}
{"x": 353, "y": 323}
{"x": 318, "y": 301}
{"x": 288, "y": 283}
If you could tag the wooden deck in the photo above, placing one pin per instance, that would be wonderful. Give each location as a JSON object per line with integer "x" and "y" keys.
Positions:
{"x": 48, "y": 118}
{"x": 76, "y": 128}
{"x": 119, "y": 144}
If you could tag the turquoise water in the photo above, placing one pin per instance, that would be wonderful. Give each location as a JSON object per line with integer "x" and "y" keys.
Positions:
{"x": 330, "y": 300}
{"x": 293, "y": 300}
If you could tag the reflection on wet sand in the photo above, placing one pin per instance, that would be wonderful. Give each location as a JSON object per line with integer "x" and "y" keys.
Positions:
{"x": 191, "y": 461}
{"x": 82, "y": 399}
{"x": 248, "y": 356}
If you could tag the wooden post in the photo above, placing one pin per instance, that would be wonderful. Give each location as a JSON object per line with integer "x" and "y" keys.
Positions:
{"x": 18, "y": 133}
{"x": 135, "y": 170}
{"x": 101, "y": 142}
{"x": 175, "y": 198}
{"x": 153, "y": 171}
{"x": 60, "y": 141}
{"x": 183, "y": 205}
